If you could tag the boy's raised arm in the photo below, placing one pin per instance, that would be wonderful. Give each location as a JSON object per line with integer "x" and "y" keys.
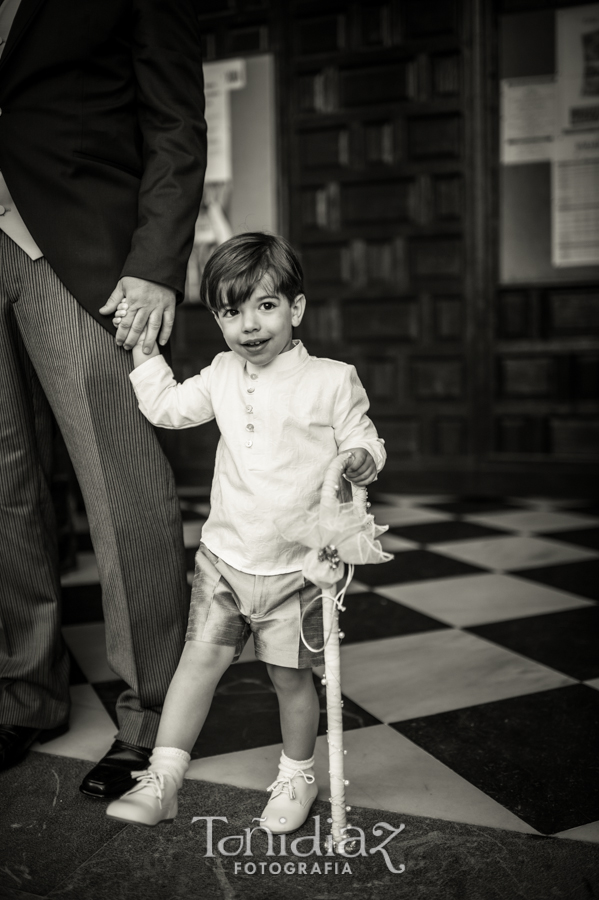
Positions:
{"x": 353, "y": 428}
{"x": 164, "y": 402}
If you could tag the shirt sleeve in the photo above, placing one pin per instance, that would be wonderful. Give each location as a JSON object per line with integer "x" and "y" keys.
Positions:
{"x": 352, "y": 426}
{"x": 168, "y": 404}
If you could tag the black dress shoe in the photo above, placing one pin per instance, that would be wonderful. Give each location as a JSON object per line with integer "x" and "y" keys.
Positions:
{"x": 112, "y": 776}
{"x": 15, "y": 741}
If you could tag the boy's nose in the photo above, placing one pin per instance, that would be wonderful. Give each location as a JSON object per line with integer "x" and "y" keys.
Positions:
{"x": 249, "y": 322}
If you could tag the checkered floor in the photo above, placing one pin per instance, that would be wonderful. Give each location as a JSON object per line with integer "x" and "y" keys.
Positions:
{"x": 470, "y": 669}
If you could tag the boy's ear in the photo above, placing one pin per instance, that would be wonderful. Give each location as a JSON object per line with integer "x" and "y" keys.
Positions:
{"x": 298, "y": 308}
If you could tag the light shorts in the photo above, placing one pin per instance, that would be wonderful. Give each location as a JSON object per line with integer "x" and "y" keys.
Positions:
{"x": 228, "y": 605}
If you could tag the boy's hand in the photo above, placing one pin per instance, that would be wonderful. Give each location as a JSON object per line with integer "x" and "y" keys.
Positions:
{"x": 361, "y": 469}
{"x": 140, "y": 355}
{"x": 150, "y": 306}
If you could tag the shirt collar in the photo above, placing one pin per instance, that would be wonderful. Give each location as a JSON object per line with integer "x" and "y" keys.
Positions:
{"x": 283, "y": 364}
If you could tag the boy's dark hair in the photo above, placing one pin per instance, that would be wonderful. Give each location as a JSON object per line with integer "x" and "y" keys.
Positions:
{"x": 237, "y": 266}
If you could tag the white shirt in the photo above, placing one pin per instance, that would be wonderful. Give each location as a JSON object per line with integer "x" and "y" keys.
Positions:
{"x": 10, "y": 220}
{"x": 281, "y": 426}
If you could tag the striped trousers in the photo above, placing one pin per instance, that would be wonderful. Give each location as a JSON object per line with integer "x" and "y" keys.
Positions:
{"x": 58, "y": 364}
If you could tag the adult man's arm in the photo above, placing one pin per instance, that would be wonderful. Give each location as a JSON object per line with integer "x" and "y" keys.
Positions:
{"x": 170, "y": 100}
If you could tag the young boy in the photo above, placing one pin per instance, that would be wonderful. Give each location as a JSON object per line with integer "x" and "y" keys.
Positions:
{"x": 283, "y": 417}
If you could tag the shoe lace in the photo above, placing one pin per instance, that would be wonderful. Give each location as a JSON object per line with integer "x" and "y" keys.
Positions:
{"x": 284, "y": 783}
{"x": 153, "y": 781}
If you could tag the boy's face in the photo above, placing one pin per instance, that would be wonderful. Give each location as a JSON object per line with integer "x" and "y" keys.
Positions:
{"x": 260, "y": 328}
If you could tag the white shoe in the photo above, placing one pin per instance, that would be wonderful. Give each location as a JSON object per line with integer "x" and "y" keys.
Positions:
{"x": 152, "y": 800}
{"x": 290, "y": 803}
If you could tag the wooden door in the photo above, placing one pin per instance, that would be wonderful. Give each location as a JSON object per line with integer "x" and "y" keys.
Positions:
{"x": 382, "y": 191}
{"x": 388, "y": 159}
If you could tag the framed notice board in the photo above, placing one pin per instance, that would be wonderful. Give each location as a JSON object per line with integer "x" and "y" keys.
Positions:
{"x": 549, "y": 173}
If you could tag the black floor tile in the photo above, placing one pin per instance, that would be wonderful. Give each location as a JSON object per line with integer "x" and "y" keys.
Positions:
{"x": 190, "y": 515}
{"x": 76, "y": 676}
{"x": 48, "y": 828}
{"x": 439, "y": 532}
{"x": 109, "y": 692}
{"x": 82, "y": 603}
{"x": 369, "y": 616}
{"x": 245, "y": 713}
{"x": 84, "y": 542}
{"x": 589, "y": 509}
{"x": 190, "y": 558}
{"x": 567, "y": 641}
{"x": 413, "y": 565}
{"x": 536, "y": 754}
{"x": 581, "y": 537}
{"x": 580, "y": 578}
{"x": 197, "y": 495}
{"x": 468, "y": 506}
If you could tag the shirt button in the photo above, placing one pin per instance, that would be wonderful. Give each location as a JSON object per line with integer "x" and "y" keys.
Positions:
{"x": 251, "y": 390}
{"x": 253, "y": 376}
{"x": 250, "y": 427}
{"x": 2, "y": 210}
{"x": 249, "y": 408}
{"x": 248, "y": 443}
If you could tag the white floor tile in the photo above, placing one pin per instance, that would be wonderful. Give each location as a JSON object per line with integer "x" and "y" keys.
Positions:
{"x": 393, "y": 544}
{"x": 85, "y": 573}
{"x": 192, "y": 533}
{"x": 243, "y": 768}
{"x": 548, "y": 503}
{"x": 534, "y": 520}
{"x": 414, "y": 499}
{"x": 357, "y": 587}
{"x": 588, "y": 833}
{"x": 478, "y": 599}
{"x": 87, "y": 643}
{"x": 248, "y": 654}
{"x": 435, "y": 671}
{"x": 515, "y": 552}
{"x": 406, "y": 515}
{"x": 385, "y": 770}
{"x": 91, "y": 730}
{"x": 84, "y": 695}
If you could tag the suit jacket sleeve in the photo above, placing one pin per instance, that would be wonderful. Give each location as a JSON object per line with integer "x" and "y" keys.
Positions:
{"x": 170, "y": 98}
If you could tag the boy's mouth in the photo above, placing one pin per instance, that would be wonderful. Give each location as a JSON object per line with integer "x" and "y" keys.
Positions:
{"x": 253, "y": 345}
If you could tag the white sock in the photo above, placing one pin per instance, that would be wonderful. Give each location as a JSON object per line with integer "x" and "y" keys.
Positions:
{"x": 170, "y": 761}
{"x": 288, "y": 767}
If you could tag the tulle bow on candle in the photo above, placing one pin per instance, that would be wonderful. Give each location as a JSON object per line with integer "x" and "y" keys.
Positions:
{"x": 336, "y": 533}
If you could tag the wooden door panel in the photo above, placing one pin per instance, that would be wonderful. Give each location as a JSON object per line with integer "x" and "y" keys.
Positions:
{"x": 378, "y": 163}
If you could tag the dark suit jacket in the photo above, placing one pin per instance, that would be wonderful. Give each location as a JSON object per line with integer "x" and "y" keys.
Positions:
{"x": 103, "y": 138}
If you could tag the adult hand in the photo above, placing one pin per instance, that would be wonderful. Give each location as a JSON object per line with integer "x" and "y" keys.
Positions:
{"x": 362, "y": 468}
{"x": 149, "y": 304}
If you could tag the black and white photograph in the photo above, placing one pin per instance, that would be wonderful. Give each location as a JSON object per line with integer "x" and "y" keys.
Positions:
{"x": 299, "y": 331}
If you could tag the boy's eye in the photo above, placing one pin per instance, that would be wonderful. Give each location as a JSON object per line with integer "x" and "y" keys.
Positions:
{"x": 229, "y": 313}
{"x": 268, "y": 304}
